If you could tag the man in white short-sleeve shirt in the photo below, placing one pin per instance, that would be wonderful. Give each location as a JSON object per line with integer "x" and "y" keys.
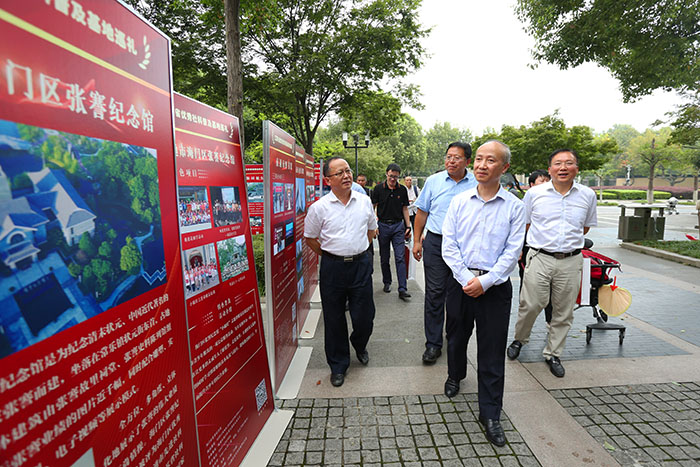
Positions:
{"x": 339, "y": 227}
{"x": 558, "y": 213}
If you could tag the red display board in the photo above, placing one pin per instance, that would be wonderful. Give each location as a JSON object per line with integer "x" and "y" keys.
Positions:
{"x": 230, "y": 374}
{"x": 256, "y": 197}
{"x": 322, "y": 188}
{"x": 93, "y": 337}
{"x": 280, "y": 270}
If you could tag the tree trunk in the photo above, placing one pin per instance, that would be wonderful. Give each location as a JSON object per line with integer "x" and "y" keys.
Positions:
{"x": 652, "y": 167}
{"x": 234, "y": 66}
{"x": 695, "y": 188}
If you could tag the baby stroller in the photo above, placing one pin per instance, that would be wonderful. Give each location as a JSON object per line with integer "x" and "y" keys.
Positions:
{"x": 672, "y": 205}
{"x": 600, "y": 268}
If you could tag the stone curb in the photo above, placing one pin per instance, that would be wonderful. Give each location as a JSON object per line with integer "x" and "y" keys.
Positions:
{"x": 661, "y": 254}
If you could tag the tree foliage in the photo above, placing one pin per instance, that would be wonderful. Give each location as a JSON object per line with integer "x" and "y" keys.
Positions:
{"x": 130, "y": 259}
{"x": 312, "y": 58}
{"x": 531, "y": 145}
{"x": 645, "y": 44}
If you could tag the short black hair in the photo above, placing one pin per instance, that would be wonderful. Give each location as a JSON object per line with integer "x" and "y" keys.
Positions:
{"x": 393, "y": 167}
{"x": 537, "y": 174}
{"x": 557, "y": 151}
{"x": 327, "y": 165}
{"x": 466, "y": 147}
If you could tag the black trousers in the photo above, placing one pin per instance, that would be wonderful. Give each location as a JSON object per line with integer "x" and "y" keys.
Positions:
{"x": 491, "y": 313}
{"x": 342, "y": 282}
{"x": 437, "y": 275}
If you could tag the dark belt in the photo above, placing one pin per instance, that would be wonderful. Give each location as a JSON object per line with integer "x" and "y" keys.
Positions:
{"x": 557, "y": 254}
{"x": 391, "y": 221}
{"x": 433, "y": 233}
{"x": 478, "y": 272}
{"x": 346, "y": 259}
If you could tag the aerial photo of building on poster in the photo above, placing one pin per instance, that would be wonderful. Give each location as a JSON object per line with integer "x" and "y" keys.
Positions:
{"x": 79, "y": 232}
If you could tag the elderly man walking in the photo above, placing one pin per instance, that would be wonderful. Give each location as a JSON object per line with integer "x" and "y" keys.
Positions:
{"x": 558, "y": 213}
{"x": 339, "y": 227}
{"x": 432, "y": 204}
{"x": 483, "y": 233}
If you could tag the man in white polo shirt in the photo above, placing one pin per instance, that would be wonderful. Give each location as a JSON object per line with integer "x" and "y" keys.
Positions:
{"x": 339, "y": 227}
{"x": 558, "y": 213}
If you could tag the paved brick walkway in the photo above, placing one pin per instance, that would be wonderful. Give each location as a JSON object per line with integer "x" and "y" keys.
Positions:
{"x": 645, "y": 424}
{"x": 427, "y": 430}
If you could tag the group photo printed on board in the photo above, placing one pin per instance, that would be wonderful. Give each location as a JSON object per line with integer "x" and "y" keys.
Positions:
{"x": 80, "y": 230}
{"x": 199, "y": 269}
{"x": 233, "y": 257}
{"x": 193, "y": 208}
{"x": 226, "y": 207}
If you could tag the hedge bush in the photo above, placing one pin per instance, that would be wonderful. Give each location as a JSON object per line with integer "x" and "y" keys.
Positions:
{"x": 633, "y": 194}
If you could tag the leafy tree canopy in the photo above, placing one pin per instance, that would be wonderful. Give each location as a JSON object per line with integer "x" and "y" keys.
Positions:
{"x": 645, "y": 44}
{"x": 531, "y": 145}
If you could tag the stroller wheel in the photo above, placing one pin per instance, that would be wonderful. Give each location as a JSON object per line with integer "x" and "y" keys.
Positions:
{"x": 603, "y": 315}
{"x": 622, "y": 335}
{"x": 589, "y": 335}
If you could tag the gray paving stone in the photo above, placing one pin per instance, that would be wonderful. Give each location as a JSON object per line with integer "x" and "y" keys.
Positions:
{"x": 390, "y": 455}
{"x": 313, "y": 457}
{"x": 409, "y": 454}
{"x": 427, "y": 453}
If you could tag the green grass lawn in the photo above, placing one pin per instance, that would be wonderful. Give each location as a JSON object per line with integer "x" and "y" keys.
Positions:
{"x": 682, "y": 247}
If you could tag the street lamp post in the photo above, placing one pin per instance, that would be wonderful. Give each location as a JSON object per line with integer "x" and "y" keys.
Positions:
{"x": 356, "y": 146}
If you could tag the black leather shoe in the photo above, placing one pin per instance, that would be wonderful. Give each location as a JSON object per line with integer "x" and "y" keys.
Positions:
{"x": 494, "y": 431}
{"x": 451, "y": 387}
{"x": 556, "y": 367}
{"x": 387, "y": 288}
{"x": 363, "y": 356}
{"x": 431, "y": 355}
{"x": 404, "y": 296}
{"x": 337, "y": 379}
{"x": 514, "y": 349}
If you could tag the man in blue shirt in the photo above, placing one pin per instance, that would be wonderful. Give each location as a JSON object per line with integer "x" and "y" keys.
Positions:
{"x": 483, "y": 234}
{"x": 432, "y": 204}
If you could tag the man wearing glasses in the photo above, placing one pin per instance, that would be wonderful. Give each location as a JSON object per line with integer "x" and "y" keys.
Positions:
{"x": 558, "y": 214}
{"x": 391, "y": 201}
{"x": 339, "y": 227}
{"x": 432, "y": 204}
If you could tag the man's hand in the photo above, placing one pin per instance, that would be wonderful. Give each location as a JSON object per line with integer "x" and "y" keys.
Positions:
{"x": 417, "y": 248}
{"x": 407, "y": 234}
{"x": 473, "y": 288}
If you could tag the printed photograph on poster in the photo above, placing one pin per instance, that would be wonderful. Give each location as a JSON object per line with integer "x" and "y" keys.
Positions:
{"x": 80, "y": 230}
{"x": 289, "y": 234}
{"x": 255, "y": 192}
{"x": 193, "y": 208}
{"x": 309, "y": 195}
{"x": 301, "y": 195}
{"x": 300, "y": 287}
{"x": 256, "y": 221}
{"x": 278, "y": 239}
{"x": 199, "y": 269}
{"x": 299, "y": 257}
{"x": 278, "y": 202}
{"x": 288, "y": 196}
{"x": 226, "y": 207}
{"x": 233, "y": 257}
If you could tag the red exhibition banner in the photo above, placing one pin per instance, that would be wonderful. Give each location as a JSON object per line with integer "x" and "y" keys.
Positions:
{"x": 280, "y": 271}
{"x": 230, "y": 371}
{"x": 322, "y": 188}
{"x": 256, "y": 197}
{"x": 93, "y": 336}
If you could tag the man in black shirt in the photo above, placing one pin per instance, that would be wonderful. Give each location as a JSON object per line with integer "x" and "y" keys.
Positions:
{"x": 391, "y": 201}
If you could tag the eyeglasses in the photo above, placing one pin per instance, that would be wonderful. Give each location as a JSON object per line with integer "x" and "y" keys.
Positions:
{"x": 454, "y": 158}
{"x": 341, "y": 173}
{"x": 560, "y": 164}
{"x": 393, "y": 177}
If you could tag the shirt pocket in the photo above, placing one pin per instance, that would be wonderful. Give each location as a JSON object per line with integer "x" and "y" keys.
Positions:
{"x": 576, "y": 212}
